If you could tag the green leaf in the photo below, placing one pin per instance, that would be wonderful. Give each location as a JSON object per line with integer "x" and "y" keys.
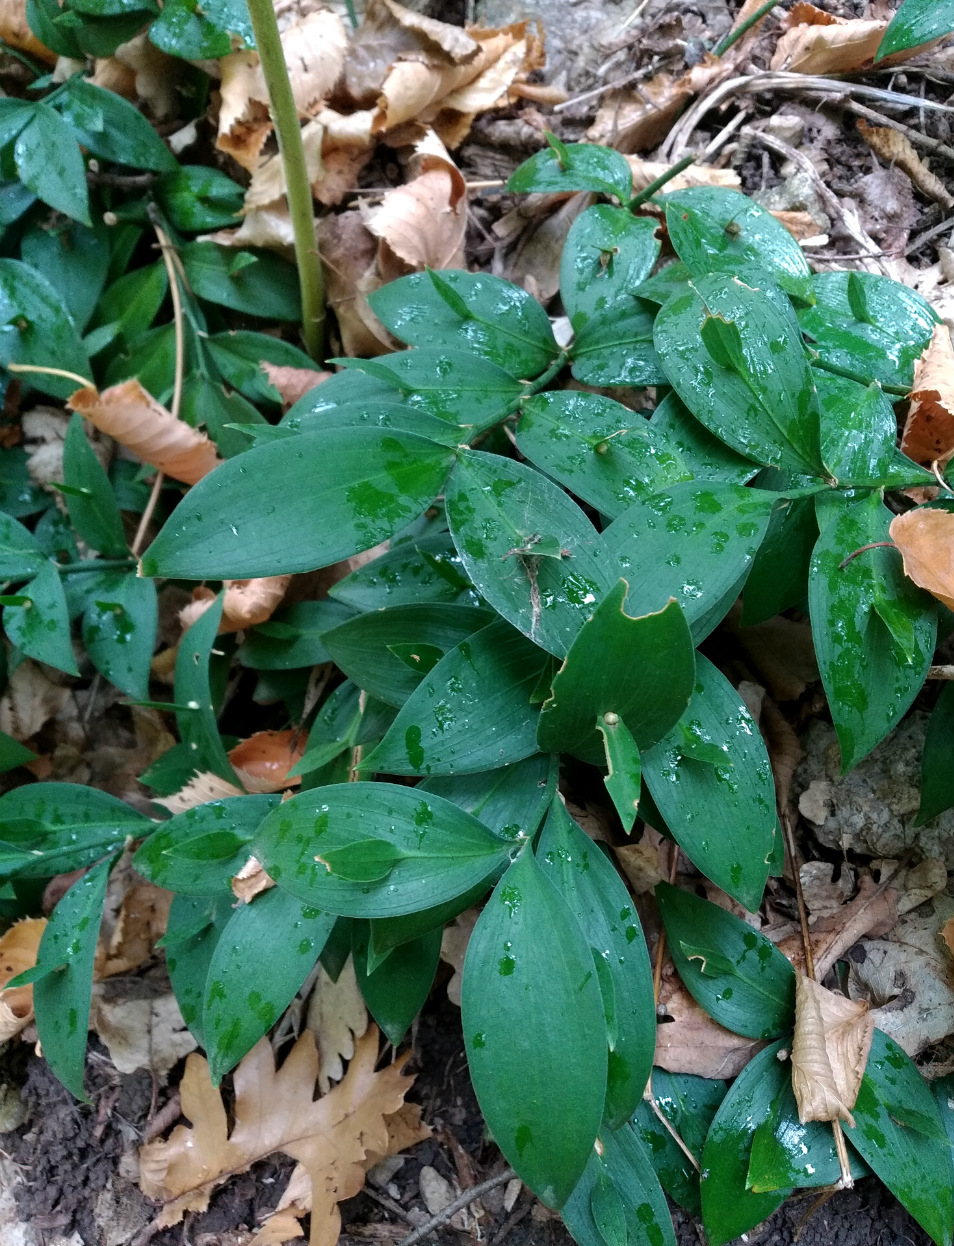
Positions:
{"x": 707, "y": 458}
{"x": 714, "y": 230}
{"x": 196, "y": 923}
{"x": 20, "y": 555}
{"x": 395, "y": 992}
{"x": 472, "y": 712}
{"x": 615, "y": 347}
{"x": 623, "y": 778}
{"x": 858, "y": 435}
{"x": 689, "y": 1104}
{"x": 414, "y": 570}
{"x": 40, "y": 626}
{"x": 119, "y": 633}
{"x": 597, "y": 448}
{"x": 260, "y": 513}
{"x": 916, "y": 22}
{"x": 13, "y": 753}
{"x": 14, "y": 115}
{"x": 899, "y": 1131}
{"x": 192, "y": 688}
{"x": 502, "y": 516}
{"x": 672, "y": 279}
{"x": 92, "y": 508}
{"x": 258, "y": 283}
{"x": 722, "y": 817}
{"x": 35, "y": 328}
{"x": 440, "y": 851}
{"x": 574, "y": 166}
{"x": 607, "y": 253}
{"x": 501, "y": 322}
{"x": 595, "y": 893}
{"x": 62, "y": 997}
{"x": 73, "y": 259}
{"x": 66, "y": 826}
{"x": 293, "y": 637}
{"x": 737, "y": 975}
{"x": 694, "y": 542}
{"x": 195, "y": 198}
{"x": 134, "y": 300}
{"x": 239, "y": 354}
{"x": 49, "y": 162}
{"x": 113, "y": 129}
{"x": 19, "y": 496}
{"x": 361, "y": 647}
{"x": 937, "y": 760}
{"x": 729, "y": 1207}
{"x": 759, "y": 400}
{"x": 882, "y": 348}
{"x": 528, "y": 961}
{"x": 869, "y": 677}
{"x": 642, "y": 669}
{"x": 206, "y": 402}
{"x": 511, "y": 800}
{"x": 623, "y": 1169}
{"x": 245, "y": 991}
{"x": 786, "y": 1153}
{"x": 779, "y": 575}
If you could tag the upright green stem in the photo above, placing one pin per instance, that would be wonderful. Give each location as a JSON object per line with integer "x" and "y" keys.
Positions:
{"x": 292, "y": 151}
{"x": 734, "y": 36}
{"x": 648, "y": 191}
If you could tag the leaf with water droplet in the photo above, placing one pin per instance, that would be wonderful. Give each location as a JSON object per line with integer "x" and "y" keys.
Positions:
{"x": 39, "y": 625}
{"x": 622, "y": 1160}
{"x": 564, "y": 167}
{"x": 119, "y": 632}
{"x": 607, "y": 253}
{"x": 689, "y": 1104}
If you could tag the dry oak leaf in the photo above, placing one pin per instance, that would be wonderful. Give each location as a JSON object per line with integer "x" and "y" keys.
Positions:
{"x": 132, "y": 416}
{"x": 928, "y": 435}
{"x": 818, "y": 43}
{"x": 829, "y": 1052}
{"x": 18, "y": 950}
{"x": 925, "y": 538}
{"x": 276, "y": 1112}
{"x": 898, "y": 150}
{"x": 263, "y": 761}
{"x": 337, "y": 1016}
{"x": 246, "y": 602}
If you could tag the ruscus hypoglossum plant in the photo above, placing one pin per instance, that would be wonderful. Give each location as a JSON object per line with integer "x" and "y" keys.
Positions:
{"x": 555, "y": 561}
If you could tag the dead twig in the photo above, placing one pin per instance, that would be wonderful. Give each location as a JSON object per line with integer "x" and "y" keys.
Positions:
{"x": 462, "y": 1200}
{"x": 915, "y": 137}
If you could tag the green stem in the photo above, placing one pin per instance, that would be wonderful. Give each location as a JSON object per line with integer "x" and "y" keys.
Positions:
{"x": 660, "y": 181}
{"x": 543, "y": 381}
{"x": 734, "y": 36}
{"x": 96, "y": 564}
{"x": 352, "y": 16}
{"x": 22, "y": 57}
{"x": 292, "y": 151}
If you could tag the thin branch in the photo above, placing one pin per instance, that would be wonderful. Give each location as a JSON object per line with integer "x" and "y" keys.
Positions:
{"x": 786, "y": 824}
{"x": 941, "y": 672}
{"x": 462, "y": 1200}
{"x": 863, "y": 549}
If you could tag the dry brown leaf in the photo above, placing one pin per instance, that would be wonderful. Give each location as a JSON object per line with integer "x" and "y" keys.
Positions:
{"x": 263, "y": 761}
{"x": 947, "y": 934}
{"x": 829, "y": 1052}
{"x": 349, "y": 254}
{"x": 640, "y": 863}
{"x": 337, "y": 1017}
{"x": 799, "y": 224}
{"x": 30, "y": 700}
{"x": 422, "y": 223}
{"x": 140, "y": 923}
{"x": 454, "y": 942}
{"x": 817, "y": 43}
{"x": 251, "y": 880}
{"x": 928, "y": 435}
{"x": 132, "y": 416}
{"x": 646, "y": 171}
{"x": 268, "y": 227}
{"x": 246, "y": 602}
{"x": 15, "y": 31}
{"x": 691, "y": 1042}
{"x": 141, "y": 1033}
{"x": 897, "y": 149}
{"x": 639, "y": 119}
{"x": 275, "y": 1111}
{"x": 198, "y": 791}
{"x": 244, "y": 121}
{"x": 18, "y": 951}
{"x": 292, "y": 383}
{"x": 149, "y": 75}
{"x": 925, "y": 538}
{"x": 490, "y": 86}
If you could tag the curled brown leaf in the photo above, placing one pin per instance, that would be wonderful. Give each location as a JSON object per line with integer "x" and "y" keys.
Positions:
{"x": 925, "y": 538}
{"x": 829, "y": 1052}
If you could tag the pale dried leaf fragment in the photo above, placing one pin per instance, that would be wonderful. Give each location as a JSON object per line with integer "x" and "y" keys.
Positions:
{"x": 818, "y": 43}
{"x": 349, "y": 253}
{"x": 647, "y": 171}
{"x": 490, "y": 87}
{"x": 246, "y": 602}
{"x": 421, "y": 223}
{"x": 947, "y": 934}
{"x": 691, "y": 1042}
{"x": 925, "y": 538}
{"x": 639, "y": 118}
{"x": 928, "y": 435}
{"x": 454, "y": 943}
{"x": 144, "y": 74}
{"x": 829, "y": 1052}
{"x": 18, "y": 952}
{"x": 292, "y": 383}
{"x": 251, "y": 880}
{"x": 142, "y": 1033}
{"x": 140, "y": 924}
{"x": 198, "y": 791}
{"x": 898, "y": 150}
{"x": 131, "y": 415}
{"x": 337, "y": 1017}
{"x": 244, "y": 121}
{"x": 30, "y": 700}
{"x": 268, "y": 227}
{"x": 263, "y": 761}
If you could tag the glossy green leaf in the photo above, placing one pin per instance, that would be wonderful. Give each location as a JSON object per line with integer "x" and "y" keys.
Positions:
{"x": 64, "y": 826}
{"x": 113, "y": 129}
{"x": 13, "y": 753}
{"x": 623, "y": 779}
{"x": 206, "y": 402}
{"x": 510, "y": 800}
{"x": 714, "y": 230}
{"x": 871, "y": 674}
{"x": 48, "y": 161}
{"x": 36, "y": 621}
{"x": 599, "y": 449}
{"x": 503, "y": 515}
{"x": 707, "y": 458}
{"x": 195, "y": 197}
{"x": 73, "y": 259}
{"x": 858, "y": 435}
{"x": 779, "y": 575}
{"x": 14, "y": 115}
{"x": 574, "y": 166}
{"x": 729, "y": 1207}
{"x": 527, "y": 962}
{"x": 395, "y": 992}
{"x": 196, "y": 924}
{"x": 689, "y": 1104}
{"x": 192, "y": 689}
{"x": 258, "y": 283}
{"x": 35, "y": 328}
{"x": 882, "y": 347}
{"x": 400, "y": 417}
{"x": 472, "y": 712}
{"x": 786, "y": 1153}
{"x": 916, "y": 22}
{"x": 900, "y": 1133}
{"x": 20, "y": 555}
{"x": 119, "y": 632}
{"x": 133, "y": 301}
{"x": 642, "y": 669}
{"x": 737, "y": 975}
{"x": 61, "y": 998}
{"x": 234, "y": 523}
{"x": 607, "y": 253}
{"x": 361, "y": 647}
{"x": 937, "y": 760}
{"x": 734, "y": 357}
{"x": 615, "y": 347}
{"x": 418, "y": 569}
{"x": 484, "y": 315}
{"x": 694, "y": 542}
{"x": 90, "y": 502}
{"x": 19, "y": 496}
{"x": 672, "y": 279}
{"x": 184, "y": 30}
{"x": 247, "y": 991}
{"x": 721, "y": 815}
{"x": 292, "y": 637}
{"x": 625, "y": 1168}
{"x": 440, "y": 851}
{"x": 595, "y": 893}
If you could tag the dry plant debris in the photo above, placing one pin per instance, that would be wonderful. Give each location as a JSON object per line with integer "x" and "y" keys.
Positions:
{"x": 829, "y": 1052}
{"x": 926, "y": 541}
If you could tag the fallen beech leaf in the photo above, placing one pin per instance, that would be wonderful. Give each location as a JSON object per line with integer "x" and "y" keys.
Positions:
{"x": 15, "y": 31}
{"x": 349, "y": 254}
{"x": 897, "y": 149}
{"x": 263, "y": 761}
{"x": 251, "y": 880}
{"x": 928, "y": 435}
{"x": 292, "y": 383}
{"x": 829, "y": 1052}
{"x": 275, "y": 1111}
{"x": 925, "y": 538}
{"x": 132, "y": 416}
{"x": 635, "y": 120}
{"x": 799, "y": 224}
{"x": 246, "y": 602}
{"x": 640, "y": 863}
{"x": 18, "y": 951}
{"x": 421, "y": 223}
{"x": 269, "y": 227}
{"x": 491, "y": 85}
{"x": 646, "y": 171}
{"x": 141, "y": 1033}
{"x": 818, "y": 43}
{"x": 30, "y": 700}
{"x": 155, "y": 75}
{"x": 244, "y": 121}
{"x": 691, "y": 1042}
{"x": 337, "y": 1016}
{"x": 140, "y": 923}
{"x": 198, "y": 791}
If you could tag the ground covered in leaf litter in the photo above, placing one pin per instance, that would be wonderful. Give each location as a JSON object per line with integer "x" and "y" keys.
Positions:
{"x": 69, "y": 1174}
